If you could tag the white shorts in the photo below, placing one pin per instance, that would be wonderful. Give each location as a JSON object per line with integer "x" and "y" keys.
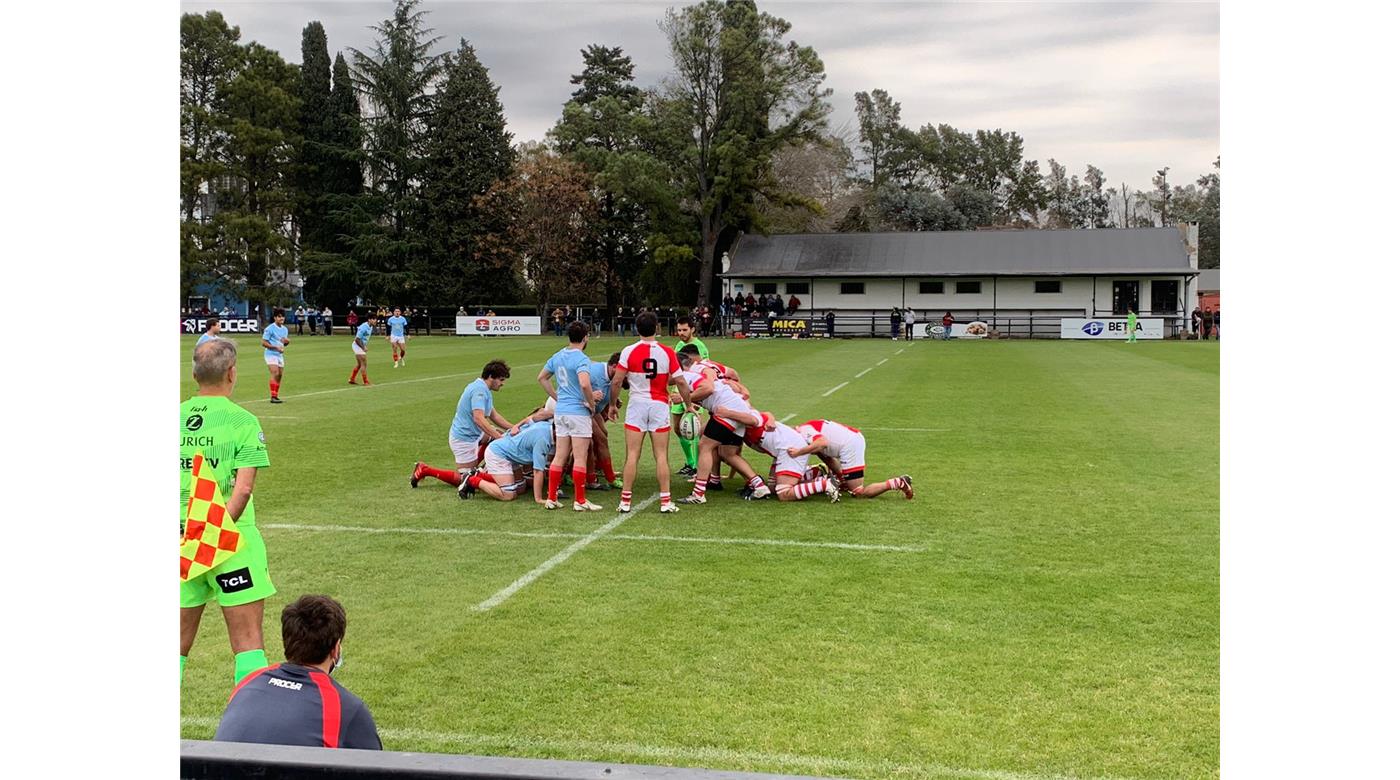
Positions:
{"x": 356, "y": 348}
{"x": 577, "y": 426}
{"x": 495, "y": 464}
{"x": 853, "y": 455}
{"x": 396, "y": 339}
{"x": 274, "y": 360}
{"x": 464, "y": 451}
{"x": 784, "y": 465}
{"x": 648, "y": 414}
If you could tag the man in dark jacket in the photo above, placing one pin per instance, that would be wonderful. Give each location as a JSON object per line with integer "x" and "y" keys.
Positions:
{"x": 297, "y": 703}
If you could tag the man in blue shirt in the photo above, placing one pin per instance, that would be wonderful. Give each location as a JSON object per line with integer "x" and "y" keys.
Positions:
{"x": 574, "y": 398}
{"x": 397, "y": 336}
{"x": 211, "y": 331}
{"x": 298, "y": 703}
{"x": 360, "y": 346}
{"x": 476, "y": 424}
{"x": 529, "y": 447}
{"x": 274, "y": 342}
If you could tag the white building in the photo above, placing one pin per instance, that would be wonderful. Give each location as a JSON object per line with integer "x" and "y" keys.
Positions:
{"x": 1019, "y": 281}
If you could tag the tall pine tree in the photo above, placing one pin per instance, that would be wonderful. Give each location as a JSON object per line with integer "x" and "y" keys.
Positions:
{"x": 330, "y": 275}
{"x": 313, "y": 167}
{"x": 468, "y": 150}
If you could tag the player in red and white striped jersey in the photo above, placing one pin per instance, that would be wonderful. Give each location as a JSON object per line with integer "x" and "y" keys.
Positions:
{"x": 730, "y": 415}
{"x": 842, "y": 448}
{"x": 793, "y": 481}
{"x": 648, "y": 368}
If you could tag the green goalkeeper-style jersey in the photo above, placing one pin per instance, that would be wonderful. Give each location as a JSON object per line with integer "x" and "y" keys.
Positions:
{"x": 230, "y": 438}
{"x": 700, "y": 345}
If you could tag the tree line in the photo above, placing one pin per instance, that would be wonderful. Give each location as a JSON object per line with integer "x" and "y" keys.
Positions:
{"x": 388, "y": 173}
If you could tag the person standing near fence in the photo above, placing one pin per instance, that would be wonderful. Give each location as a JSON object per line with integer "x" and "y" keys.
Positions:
{"x": 895, "y": 319}
{"x": 831, "y": 325}
{"x": 947, "y": 325}
{"x": 1132, "y": 326}
{"x": 908, "y": 324}
{"x": 328, "y": 319}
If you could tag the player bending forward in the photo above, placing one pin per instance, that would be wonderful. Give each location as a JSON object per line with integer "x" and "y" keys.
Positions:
{"x": 649, "y": 368}
{"x": 507, "y": 457}
{"x": 476, "y": 424}
{"x": 730, "y": 417}
{"x": 776, "y": 441}
{"x": 842, "y": 448}
{"x": 396, "y": 335}
{"x": 360, "y": 347}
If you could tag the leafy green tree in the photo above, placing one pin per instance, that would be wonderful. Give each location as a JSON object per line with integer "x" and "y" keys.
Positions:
{"x": 880, "y": 132}
{"x": 1062, "y": 197}
{"x": 1208, "y": 255}
{"x": 917, "y": 210}
{"x": 329, "y": 272}
{"x": 1093, "y": 200}
{"x": 1161, "y": 196}
{"x": 316, "y": 125}
{"x": 467, "y": 151}
{"x": 739, "y": 93}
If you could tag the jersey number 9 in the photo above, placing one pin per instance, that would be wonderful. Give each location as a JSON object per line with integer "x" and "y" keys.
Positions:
{"x": 649, "y": 367}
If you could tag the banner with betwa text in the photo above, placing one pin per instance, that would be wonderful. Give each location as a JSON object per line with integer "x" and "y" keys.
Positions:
{"x": 1109, "y": 328}
{"x": 497, "y": 326}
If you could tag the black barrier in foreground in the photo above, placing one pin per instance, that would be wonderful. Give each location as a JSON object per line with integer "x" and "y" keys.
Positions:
{"x": 202, "y": 760}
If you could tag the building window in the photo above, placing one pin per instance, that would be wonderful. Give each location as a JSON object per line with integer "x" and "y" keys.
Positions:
{"x": 930, "y": 288}
{"x": 765, "y": 288}
{"x": 1052, "y": 286}
{"x": 1164, "y": 296}
{"x": 798, "y": 288}
{"x": 853, "y": 288}
{"x": 969, "y": 288}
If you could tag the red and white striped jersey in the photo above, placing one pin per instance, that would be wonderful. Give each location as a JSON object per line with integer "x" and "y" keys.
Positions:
{"x": 836, "y": 434}
{"x": 649, "y": 367}
{"x": 722, "y": 395}
{"x": 777, "y": 441}
{"x": 719, "y": 368}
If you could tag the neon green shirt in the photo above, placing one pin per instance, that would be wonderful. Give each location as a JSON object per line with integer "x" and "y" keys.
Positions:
{"x": 230, "y": 437}
{"x": 1132, "y": 319}
{"x": 700, "y": 345}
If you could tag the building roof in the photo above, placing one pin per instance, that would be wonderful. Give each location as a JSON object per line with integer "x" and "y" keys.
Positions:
{"x": 1209, "y": 280}
{"x": 963, "y": 253}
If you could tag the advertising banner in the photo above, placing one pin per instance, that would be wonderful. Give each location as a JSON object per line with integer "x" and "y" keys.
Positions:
{"x": 1108, "y": 328}
{"x": 961, "y": 330}
{"x": 782, "y": 326}
{"x": 498, "y": 326}
{"x": 226, "y": 324}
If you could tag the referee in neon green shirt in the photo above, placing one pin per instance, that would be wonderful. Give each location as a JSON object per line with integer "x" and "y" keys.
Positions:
{"x": 1132, "y": 326}
{"x": 685, "y": 328}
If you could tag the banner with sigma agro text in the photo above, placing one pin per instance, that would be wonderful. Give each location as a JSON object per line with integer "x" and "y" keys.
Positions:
{"x": 498, "y": 326}
{"x": 1109, "y": 328}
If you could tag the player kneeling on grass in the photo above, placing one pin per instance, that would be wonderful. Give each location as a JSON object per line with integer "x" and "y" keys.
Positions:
{"x": 360, "y": 346}
{"x": 842, "y": 448}
{"x": 502, "y": 478}
{"x": 476, "y": 424}
{"x": 794, "y": 481}
{"x": 730, "y": 415}
{"x": 574, "y": 397}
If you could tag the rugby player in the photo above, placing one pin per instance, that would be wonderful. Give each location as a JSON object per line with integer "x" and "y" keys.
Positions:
{"x": 360, "y": 346}
{"x": 723, "y": 437}
{"x": 842, "y": 448}
{"x": 211, "y": 331}
{"x": 502, "y": 477}
{"x": 648, "y": 367}
{"x": 274, "y": 342}
{"x": 476, "y": 424}
{"x": 573, "y": 393}
{"x": 233, "y": 445}
{"x": 776, "y": 440}
{"x": 396, "y": 335}
{"x": 685, "y": 328}
{"x": 600, "y": 377}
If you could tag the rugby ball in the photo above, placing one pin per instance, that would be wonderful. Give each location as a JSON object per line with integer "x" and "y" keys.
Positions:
{"x": 689, "y": 427}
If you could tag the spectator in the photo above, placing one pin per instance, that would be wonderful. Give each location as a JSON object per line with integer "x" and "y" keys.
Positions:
{"x": 908, "y": 324}
{"x": 706, "y": 320}
{"x": 481, "y": 311}
{"x": 227, "y": 311}
{"x": 298, "y": 702}
{"x": 1196, "y": 322}
{"x": 831, "y": 324}
{"x": 1215, "y": 320}
{"x": 352, "y": 319}
{"x": 750, "y": 302}
{"x": 1205, "y": 324}
{"x": 895, "y": 318}
{"x": 462, "y": 311}
{"x": 557, "y": 316}
{"x": 328, "y": 319}
{"x": 726, "y": 306}
{"x": 947, "y": 325}
{"x": 299, "y": 316}
{"x": 793, "y": 305}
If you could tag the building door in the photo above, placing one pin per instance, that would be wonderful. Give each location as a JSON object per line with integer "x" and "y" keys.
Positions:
{"x": 1125, "y": 296}
{"x": 1164, "y": 296}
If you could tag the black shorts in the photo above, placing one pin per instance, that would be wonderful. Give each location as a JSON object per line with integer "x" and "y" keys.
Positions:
{"x": 717, "y": 431}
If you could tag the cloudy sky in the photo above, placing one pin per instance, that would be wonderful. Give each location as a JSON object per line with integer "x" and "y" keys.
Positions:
{"x": 1129, "y": 87}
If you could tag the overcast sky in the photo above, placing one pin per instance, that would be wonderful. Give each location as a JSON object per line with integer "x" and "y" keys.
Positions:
{"x": 1129, "y": 87}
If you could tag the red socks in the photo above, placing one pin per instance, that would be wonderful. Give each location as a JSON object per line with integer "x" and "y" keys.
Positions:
{"x": 453, "y": 478}
{"x": 580, "y": 486}
{"x": 556, "y": 475}
{"x": 810, "y": 488}
{"x": 608, "y": 472}
{"x": 353, "y": 374}
{"x": 274, "y": 387}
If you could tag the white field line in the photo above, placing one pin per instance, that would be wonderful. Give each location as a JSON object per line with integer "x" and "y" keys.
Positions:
{"x": 866, "y": 371}
{"x": 496, "y": 744}
{"x": 564, "y": 535}
{"x": 789, "y": 417}
{"x": 909, "y": 430}
{"x": 834, "y": 389}
{"x": 458, "y": 375}
{"x": 883, "y": 361}
{"x": 561, "y": 556}
{"x": 900, "y": 352}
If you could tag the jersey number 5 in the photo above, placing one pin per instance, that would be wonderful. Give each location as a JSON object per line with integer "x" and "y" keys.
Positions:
{"x": 649, "y": 366}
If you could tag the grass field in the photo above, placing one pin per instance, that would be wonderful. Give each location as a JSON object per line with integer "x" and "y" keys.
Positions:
{"x": 1047, "y": 606}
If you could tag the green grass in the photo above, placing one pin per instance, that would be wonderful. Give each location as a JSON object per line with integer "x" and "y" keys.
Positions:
{"x": 1060, "y": 617}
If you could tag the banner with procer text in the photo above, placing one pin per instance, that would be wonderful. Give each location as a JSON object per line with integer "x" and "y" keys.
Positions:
{"x": 226, "y": 324}
{"x": 498, "y": 326}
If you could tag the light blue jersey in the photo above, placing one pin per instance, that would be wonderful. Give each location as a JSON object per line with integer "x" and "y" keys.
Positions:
{"x": 533, "y": 446}
{"x": 204, "y": 338}
{"x": 396, "y": 326}
{"x": 273, "y": 334}
{"x": 598, "y": 375}
{"x": 363, "y": 333}
{"x": 476, "y": 396}
{"x": 566, "y": 365}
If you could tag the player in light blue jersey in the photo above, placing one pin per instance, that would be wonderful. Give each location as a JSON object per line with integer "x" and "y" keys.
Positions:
{"x": 211, "y": 331}
{"x": 274, "y": 342}
{"x": 574, "y": 396}
{"x": 397, "y": 335}
{"x": 476, "y": 424}
{"x": 506, "y": 458}
{"x": 600, "y": 376}
{"x": 360, "y": 347}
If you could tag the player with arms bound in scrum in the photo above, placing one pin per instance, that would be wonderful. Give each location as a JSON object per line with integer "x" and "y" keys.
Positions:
{"x": 777, "y": 441}
{"x": 842, "y": 448}
{"x": 648, "y": 368}
{"x": 530, "y": 445}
